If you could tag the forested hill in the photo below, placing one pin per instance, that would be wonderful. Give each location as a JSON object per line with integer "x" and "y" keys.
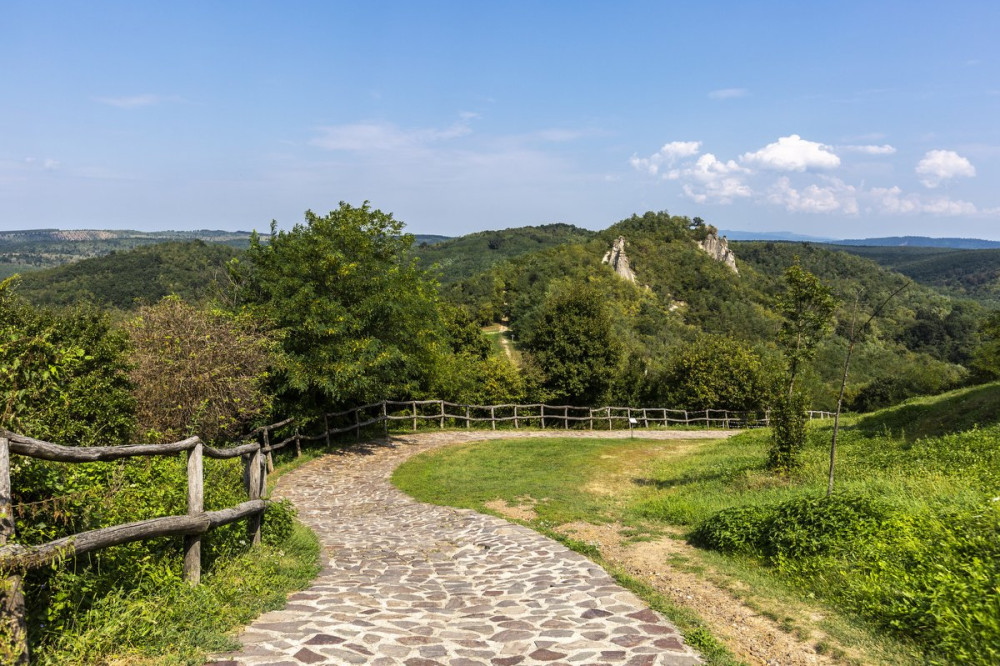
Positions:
{"x": 124, "y": 280}
{"x": 684, "y": 299}
{"x": 458, "y": 258}
{"x": 966, "y": 273}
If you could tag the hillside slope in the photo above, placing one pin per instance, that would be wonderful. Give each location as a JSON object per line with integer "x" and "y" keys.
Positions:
{"x": 971, "y": 274}
{"x": 123, "y": 280}
{"x": 458, "y": 258}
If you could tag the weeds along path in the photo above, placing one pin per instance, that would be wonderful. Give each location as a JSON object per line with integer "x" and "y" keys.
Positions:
{"x": 416, "y": 584}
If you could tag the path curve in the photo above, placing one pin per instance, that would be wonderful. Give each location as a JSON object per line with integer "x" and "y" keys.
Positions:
{"x": 418, "y": 585}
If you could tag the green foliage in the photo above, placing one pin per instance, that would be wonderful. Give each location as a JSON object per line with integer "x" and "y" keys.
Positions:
{"x": 909, "y": 545}
{"x": 459, "y": 258}
{"x": 575, "y": 345}
{"x": 799, "y": 528}
{"x": 715, "y": 372}
{"x": 986, "y": 357}
{"x": 964, "y": 273}
{"x": 788, "y": 433}
{"x": 62, "y": 376}
{"x": 358, "y": 319}
{"x": 128, "y": 279}
{"x": 807, "y": 307}
{"x": 175, "y": 623}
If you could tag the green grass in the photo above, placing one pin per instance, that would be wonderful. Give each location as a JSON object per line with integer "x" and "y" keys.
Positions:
{"x": 470, "y": 475}
{"x": 180, "y": 624}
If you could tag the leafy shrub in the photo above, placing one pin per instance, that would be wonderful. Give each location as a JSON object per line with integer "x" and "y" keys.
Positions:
{"x": 788, "y": 433}
{"x": 812, "y": 526}
{"x": 278, "y": 523}
{"x": 739, "y": 530}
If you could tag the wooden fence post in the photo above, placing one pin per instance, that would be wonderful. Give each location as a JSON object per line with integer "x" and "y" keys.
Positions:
{"x": 565, "y": 418}
{"x": 542, "y": 412}
{"x": 267, "y": 445}
{"x": 298, "y": 443}
{"x": 253, "y": 491}
{"x": 707, "y": 421}
{"x": 13, "y": 622}
{"x": 442, "y": 413}
{"x": 609, "y": 418}
{"x": 385, "y": 419}
{"x": 591, "y": 410}
{"x": 326, "y": 428}
{"x": 493, "y": 416}
{"x": 516, "y": 426}
{"x": 414, "y": 416}
{"x": 687, "y": 421}
{"x": 196, "y": 505}
{"x": 645, "y": 419}
{"x": 468, "y": 421}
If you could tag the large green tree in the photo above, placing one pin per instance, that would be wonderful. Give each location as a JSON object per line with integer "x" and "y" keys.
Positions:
{"x": 575, "y": 344}
{"x": 357, "y": 318}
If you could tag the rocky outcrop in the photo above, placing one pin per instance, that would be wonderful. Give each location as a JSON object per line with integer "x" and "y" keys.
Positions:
{"x": 718, "y": 249}
{"x": 618, "y": 260}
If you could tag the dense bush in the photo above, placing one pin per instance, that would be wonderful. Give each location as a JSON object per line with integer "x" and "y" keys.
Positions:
{"x": 198, "y": 372}
{"x": 714, "y": 372}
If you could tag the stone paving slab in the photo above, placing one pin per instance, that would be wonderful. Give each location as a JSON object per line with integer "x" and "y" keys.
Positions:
{"x": 420, "y": 585}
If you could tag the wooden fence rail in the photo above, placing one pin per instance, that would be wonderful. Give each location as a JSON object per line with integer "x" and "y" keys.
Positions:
{"x": 15, "y": 558}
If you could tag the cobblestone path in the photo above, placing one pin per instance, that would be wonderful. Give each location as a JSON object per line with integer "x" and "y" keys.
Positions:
{"x": 414, "y": 584}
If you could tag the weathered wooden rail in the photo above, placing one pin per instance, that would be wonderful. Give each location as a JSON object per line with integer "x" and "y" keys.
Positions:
{"x": 16, "y": 559}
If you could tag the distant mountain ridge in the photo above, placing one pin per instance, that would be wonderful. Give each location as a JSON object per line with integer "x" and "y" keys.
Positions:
{"x": 923, "y": 241}
{"x": 885, "y": 241}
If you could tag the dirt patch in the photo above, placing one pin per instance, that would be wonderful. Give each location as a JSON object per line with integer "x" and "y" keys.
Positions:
{"x": 631, "y": 463}
{"x": 753, "y": 637}
{"x": 523, "y": 511}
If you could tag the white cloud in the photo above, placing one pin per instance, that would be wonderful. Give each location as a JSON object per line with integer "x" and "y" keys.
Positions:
{"x": 379, "y": 136}
{"x": 893, "y": 201}
{"x": 793, "y": 153}
{"x": 728, "y": 93}
{"x": 718, "y": 181}
{"x": 834, "y": 196}
{"x": 666, "y": 156}
{"x": 884, "y": 149}
{"x": 938, "y": 166}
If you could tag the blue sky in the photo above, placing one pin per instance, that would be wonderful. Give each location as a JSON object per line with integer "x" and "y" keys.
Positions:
{"x": 839, "y": 119}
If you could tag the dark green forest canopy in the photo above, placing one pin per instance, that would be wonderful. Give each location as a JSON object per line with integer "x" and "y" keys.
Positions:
{"x": 458, "y": 258}
{"x": 972, "y": 273}
{"x": 125, "y": 280}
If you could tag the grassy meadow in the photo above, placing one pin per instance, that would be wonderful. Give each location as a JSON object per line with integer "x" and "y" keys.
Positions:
{"x": 908, "y": 543}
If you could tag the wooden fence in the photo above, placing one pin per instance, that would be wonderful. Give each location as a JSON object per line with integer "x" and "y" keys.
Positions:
{"x": 15, "y": 558}
{"x": 415, "y": 413}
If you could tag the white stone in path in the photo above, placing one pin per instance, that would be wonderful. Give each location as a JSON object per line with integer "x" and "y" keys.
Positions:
{"x": 418, "y": 585}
